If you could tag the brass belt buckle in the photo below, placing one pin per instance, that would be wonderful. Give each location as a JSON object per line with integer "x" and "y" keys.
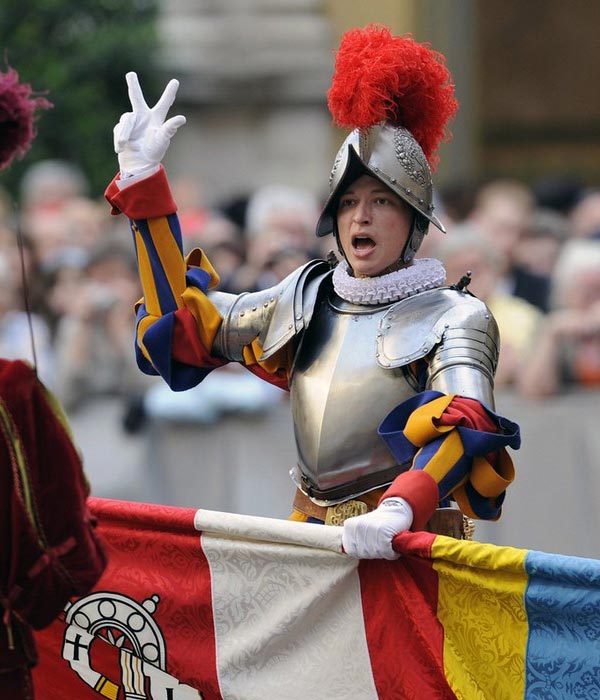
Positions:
{"x": 468, "y": 528}
{"x": 337, "y": 514}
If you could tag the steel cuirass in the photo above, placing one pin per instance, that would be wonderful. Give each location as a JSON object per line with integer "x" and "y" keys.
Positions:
{"x": 350, "y": 367}
{"x": 339, "y": 396}
{"x": 350, "y": 371}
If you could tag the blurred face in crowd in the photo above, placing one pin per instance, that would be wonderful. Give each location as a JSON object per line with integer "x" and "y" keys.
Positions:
{"x": 373, "y": 227}
{"x": 502, "y": 219}
{"x": 538, "y": 255}
{"x": 584, "y": 292}
{"x": 585, "y": 217}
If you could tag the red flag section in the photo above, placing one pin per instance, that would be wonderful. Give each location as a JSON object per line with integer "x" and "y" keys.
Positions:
{"x": 148, "y": 624}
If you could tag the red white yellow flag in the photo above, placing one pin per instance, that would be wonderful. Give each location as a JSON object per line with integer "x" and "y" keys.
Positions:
{"x": 197, "y": 604}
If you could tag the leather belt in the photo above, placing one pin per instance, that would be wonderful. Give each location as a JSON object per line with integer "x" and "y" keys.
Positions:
{"x": 444, "y": 521}
{"x": 335, "y": 515}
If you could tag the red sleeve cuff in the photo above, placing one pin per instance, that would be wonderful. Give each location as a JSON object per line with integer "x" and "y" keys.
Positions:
{"x": 420, "y": 490}
{"x": 186, "y": 345}
{"x": 146, "y": 199}
{"x": 469, "y": 413}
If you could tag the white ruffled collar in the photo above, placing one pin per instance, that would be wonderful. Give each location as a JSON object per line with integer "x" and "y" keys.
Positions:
{"x": 423, "y": 274}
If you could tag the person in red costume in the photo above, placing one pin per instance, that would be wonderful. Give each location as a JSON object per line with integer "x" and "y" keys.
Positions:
{"x": 49, "y": 550}
{"x": 390, "y": 371}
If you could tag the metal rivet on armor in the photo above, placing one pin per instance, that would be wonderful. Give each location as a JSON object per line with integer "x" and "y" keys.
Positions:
{"x": 272, "y": 299}
{"x": 446, "y": 325}
{"x": 487, "y": 315}
{"x": 421, "y": 201}
{"x": 377, "y": 354}
{"x": 408, "y": 191}
{"x": 379, "y": 335}
{"x": 388, "y": 327}
{"x": 266, "y": 304}
{"x": 254, "y": 308}
{"x": 291, "y": 326}
{"x": 393, "y": 179}
{"x": 242, "y": 313}
{"x": 376, "y": 170}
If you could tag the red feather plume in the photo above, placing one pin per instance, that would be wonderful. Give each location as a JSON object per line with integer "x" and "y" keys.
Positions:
{"x": 379, "y": 77}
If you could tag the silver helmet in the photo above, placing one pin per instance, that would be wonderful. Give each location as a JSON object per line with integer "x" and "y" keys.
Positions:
{"x": 391, "y": 155}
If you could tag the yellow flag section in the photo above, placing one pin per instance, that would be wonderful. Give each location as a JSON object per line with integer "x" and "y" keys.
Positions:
{"x": 481, "y": 606}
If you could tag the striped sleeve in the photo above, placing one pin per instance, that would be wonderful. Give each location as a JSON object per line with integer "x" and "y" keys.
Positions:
{"x": 456, "y": 445}
{"x": 176, "y": 321}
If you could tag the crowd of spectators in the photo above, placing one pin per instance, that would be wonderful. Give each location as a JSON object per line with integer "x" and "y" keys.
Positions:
{"x": 533, "y": 252}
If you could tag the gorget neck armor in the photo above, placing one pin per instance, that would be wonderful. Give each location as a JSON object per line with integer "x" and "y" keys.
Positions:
{"x": 423, "y": 274}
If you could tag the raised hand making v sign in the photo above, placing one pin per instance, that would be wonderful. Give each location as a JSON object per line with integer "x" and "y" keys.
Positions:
{"x": 142, "y": 137}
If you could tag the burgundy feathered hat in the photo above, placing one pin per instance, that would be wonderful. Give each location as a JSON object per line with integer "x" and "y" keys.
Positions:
{"x": 17, "y": 116}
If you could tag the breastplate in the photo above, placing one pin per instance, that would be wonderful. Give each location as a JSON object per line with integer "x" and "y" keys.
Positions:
{"x": 339, "y": 396}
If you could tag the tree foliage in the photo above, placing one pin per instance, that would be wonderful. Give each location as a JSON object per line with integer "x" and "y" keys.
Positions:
{"x": 77, "y": 54}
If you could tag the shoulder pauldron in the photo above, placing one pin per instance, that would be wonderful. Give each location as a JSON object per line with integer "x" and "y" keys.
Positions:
{"x": 410, "y": 329}
{"x": 274, "y": 315}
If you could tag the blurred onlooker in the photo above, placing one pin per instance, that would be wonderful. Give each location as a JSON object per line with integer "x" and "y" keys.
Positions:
{"x": 192, "y": 213}
{"x": 280, "y": 232}
{"x": 94, "y": 337}
{"x": 20, "y": 252}
{"x": 541, "y": 242}
{"x": 266, "y": 256}
{"x": 291, "y": 210}
{"x": 222, "y": 242}
{"x": 56, "y": 213}
{"x": 48, "y": 183}
{"x": 64, "y": 279}
{"x": 15, "y": 331}
{"x": 85, "y": 222}
{"x": 584, "y": 218}
{"x": 567, "y": 351}
{"x": 518, "y": 321}
{"x": 558, "y": 193}
{"x": 502, "y": 211}
{"x": 457, "y": 201}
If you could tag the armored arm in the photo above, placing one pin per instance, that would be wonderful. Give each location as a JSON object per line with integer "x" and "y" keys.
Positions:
{"x": 244, "y": 317}
{"x": 455, "y": 441}
{"x": 464, "y": 362}
{"x": 267, "y": 320}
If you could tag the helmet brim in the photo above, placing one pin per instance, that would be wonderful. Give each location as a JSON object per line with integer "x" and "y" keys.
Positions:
{"x": 355, "y": 168}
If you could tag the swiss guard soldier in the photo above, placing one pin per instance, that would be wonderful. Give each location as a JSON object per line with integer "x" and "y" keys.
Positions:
{"x": 390, "y": 371}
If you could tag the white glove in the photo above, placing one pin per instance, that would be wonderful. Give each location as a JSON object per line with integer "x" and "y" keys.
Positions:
{"x": 142, "y": 137}
{"x": 369, "y": 536}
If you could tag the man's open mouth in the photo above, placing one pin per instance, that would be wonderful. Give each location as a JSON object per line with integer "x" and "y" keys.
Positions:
{"x": 362, "y": 242}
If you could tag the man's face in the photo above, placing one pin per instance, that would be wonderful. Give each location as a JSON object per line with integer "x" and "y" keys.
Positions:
{"x": 373, "y": 226}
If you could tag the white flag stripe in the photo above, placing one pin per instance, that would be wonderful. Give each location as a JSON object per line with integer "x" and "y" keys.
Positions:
{"x": 253, "y": 527}
{"x": 288, "y": 620}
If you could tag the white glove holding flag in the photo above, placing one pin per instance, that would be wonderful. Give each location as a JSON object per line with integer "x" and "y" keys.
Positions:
{"x": 142, "y": 137}
{"x": 369, "y": 536}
